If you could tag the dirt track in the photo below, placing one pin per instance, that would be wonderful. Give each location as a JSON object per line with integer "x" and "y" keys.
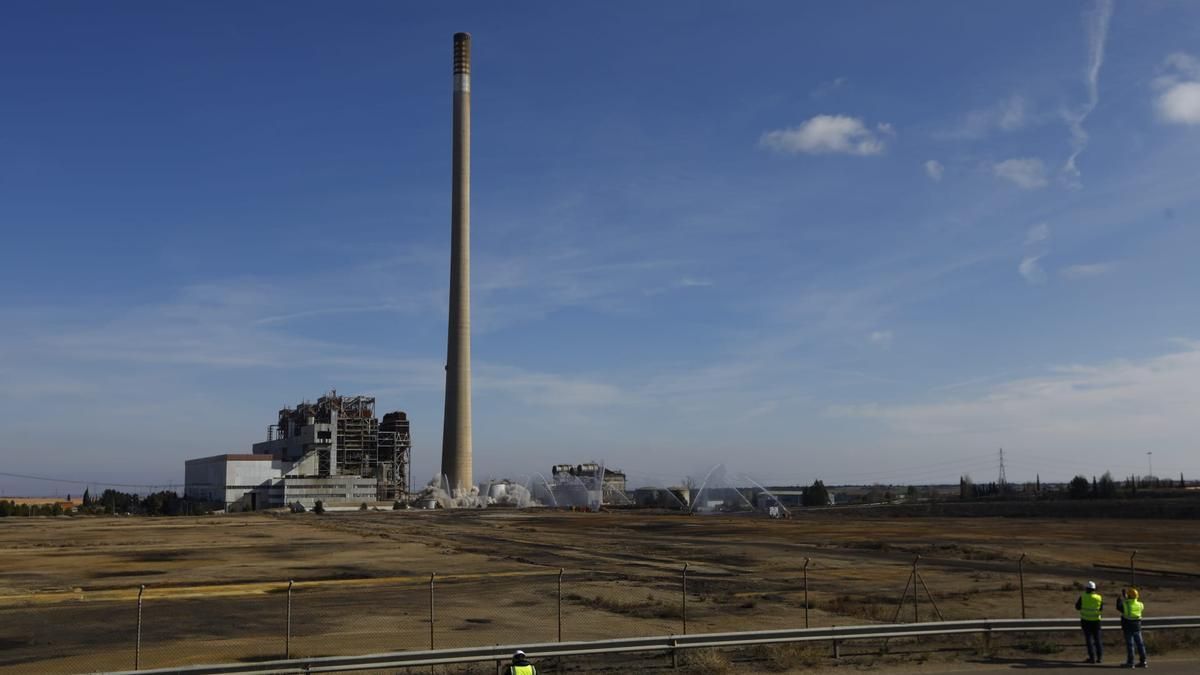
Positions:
{"x": 217, "y": 584}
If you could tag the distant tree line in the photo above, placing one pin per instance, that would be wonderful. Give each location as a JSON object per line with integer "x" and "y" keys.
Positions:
{"x": 163, "y": 503}
{"x": 1080, "y": 487}
{"x": 9, "y": 508}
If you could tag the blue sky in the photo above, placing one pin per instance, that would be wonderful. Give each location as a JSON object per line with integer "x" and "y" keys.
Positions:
{"x": 855, "y": 241}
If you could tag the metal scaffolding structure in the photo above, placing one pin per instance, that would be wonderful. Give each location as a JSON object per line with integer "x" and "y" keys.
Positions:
{"x": 349, "y": 440}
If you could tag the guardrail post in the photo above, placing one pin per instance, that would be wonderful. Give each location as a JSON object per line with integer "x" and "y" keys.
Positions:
{"x": 287, "y": 636}
{"x": 560, "y": 577}
{"x": 837, "y": 649}
{"x": 683, "y": 605}
{"x": 806, "y": 592}
{"x": 431, "y": 577}
{"x": 1021, "y": 581}
{"x": 1132, "y": 572}
{"x": 674, "y": 655}
{"x": 137, "y": 648}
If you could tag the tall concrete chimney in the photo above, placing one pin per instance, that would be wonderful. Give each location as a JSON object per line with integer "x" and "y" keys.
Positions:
{"x": 456, "y": 433}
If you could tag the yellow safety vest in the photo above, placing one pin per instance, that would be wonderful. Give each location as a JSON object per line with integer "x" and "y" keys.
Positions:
{"x": 1132, "y": 609}
{"x": 1089, "y": 606}
{"x": 522, "y": 670}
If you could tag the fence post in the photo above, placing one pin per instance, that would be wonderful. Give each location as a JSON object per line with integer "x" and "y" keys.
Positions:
{"x": 1021, "y": 581}
{"x": 560, "y": 577}
{"x": 683, "y": 587}
{"x": 137, "y": 649}
{"x": 1132, "y": 572}
{"x": 287, "y": 638}
{"x": 431, "y": 577}
{"x": 806, "y": 592}
{"x": 916, "y": 596}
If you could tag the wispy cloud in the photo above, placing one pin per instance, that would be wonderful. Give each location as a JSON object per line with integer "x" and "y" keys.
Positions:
{"x": 545, "y": 389}
{"x": 1179, "y": 100}
{"x": 1037, "y": 233}
{"x": 1036, "y": 247}
{"x": 829, "y": 87}
{"x": 1097, "y": 34}
{"x": 1026, "y": 172}
{"x": 1009, "y": 114}
{"x": 680, "y": 284}
{"x": 882, "y": 338}
{"x": 1078, "y": 272}
{"x": 1095, "y": 413}
{"x": 934, "y": 170}
{"x": 1031, "y": 270}
{"x": 825, "y": 134}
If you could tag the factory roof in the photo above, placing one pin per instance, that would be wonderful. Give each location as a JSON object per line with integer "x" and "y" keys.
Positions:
{"x": 233, "y": 458}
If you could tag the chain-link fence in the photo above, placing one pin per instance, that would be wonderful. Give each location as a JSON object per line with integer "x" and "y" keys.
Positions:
{"x": 166, "y": 627}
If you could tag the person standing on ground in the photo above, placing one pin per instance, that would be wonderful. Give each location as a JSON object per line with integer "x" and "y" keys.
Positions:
{"x": 521, "y": 665}
{"x": 1089, "y": 605}
{"x": 1131, "y": 608}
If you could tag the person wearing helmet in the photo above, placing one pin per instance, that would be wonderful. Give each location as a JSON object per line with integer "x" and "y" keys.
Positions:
{"x": 1089, "y": 605}
{"x": 1131, "y": 608}
{"x": 521, "y": 665}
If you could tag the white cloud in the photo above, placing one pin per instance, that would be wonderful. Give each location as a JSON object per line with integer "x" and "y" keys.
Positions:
{"x": 1179, "y": 101}
{"x": 934, "y": 170}
{"x": 1077, "y": 272}
{"x": 1099, "y": 415}
{"x": 827, "y": 134}
{"x": 1007, "y": 115}
{"x": 1037, "y": 233}
{"x": 1031, "y": 270}
{"x": 1097, "y": 28}
{"x": 883, "y": 338}
{"x": 1028, "y": 173}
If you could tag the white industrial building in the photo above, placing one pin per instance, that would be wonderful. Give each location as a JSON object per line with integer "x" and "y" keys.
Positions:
{"x": 251, "y": 482}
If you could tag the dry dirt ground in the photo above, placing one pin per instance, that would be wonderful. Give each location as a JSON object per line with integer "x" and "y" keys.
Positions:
{"x": 216, "y": 587}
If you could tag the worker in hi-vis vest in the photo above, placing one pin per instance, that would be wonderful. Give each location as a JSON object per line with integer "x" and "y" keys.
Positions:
{"x": 1089, "y": 605}
{"x": 1131, "y": 626}
{"x": 521, "y": 665}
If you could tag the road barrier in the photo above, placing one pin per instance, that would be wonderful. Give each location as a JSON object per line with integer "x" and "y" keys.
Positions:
{"x": 667, "y": 643}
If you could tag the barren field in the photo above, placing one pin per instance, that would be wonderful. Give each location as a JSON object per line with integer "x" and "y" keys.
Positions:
{"x": 216, "y": 587}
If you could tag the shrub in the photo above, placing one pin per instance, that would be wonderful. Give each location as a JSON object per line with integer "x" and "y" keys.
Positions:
{"x": 319, "y": 507}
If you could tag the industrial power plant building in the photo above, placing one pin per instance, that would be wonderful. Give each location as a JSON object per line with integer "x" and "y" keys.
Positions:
{"x": 335, "y": 451}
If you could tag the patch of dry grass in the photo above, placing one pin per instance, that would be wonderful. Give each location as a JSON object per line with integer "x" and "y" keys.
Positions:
{"x": 649, "y": 608}
{"x": 787, "y": 657}
{"x": 1164, "y": 641}
{"x": 705, "y": 661}
{"x": 858, "y": 607}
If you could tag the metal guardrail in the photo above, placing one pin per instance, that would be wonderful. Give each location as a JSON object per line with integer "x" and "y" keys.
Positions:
{"x": 329, "y": 664}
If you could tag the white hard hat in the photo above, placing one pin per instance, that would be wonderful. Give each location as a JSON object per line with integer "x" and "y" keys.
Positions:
{"x": 1091, "y": 586}
{"x": 519, "y": 652}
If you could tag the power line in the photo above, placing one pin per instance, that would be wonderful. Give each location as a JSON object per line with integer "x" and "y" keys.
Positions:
{"x": 88, "y": 482}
